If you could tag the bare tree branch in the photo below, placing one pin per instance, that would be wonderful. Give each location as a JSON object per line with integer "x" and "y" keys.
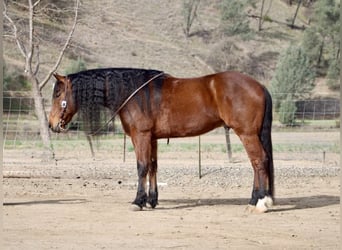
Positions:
{"x": 261, "y": 17}
{"x": 66, "y": 44}
{"x": 28, "y": 64}
{"x": 31, "y": 54}
{"x": 36, "y": 3}
{"x": 38, "y": 61}
{"x": 295, "y": 16}
{"x": 15, "y": 32}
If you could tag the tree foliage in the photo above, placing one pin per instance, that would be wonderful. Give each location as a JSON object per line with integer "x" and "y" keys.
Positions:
{"x": 14, "y": 81}
{"x": 333, "y": 74}
{"x": 234, "y": 17}
{"x": 287, "y": 111}
{"x": 15, "y": 85}
{"x": 76, "y": 66}
{"x": 293, "y": 78}
{"x": 23, "y": 30}
{"x": 321, "y": 40}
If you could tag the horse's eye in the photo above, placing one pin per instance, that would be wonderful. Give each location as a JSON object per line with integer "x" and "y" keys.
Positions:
{"x": 63, "y": 104}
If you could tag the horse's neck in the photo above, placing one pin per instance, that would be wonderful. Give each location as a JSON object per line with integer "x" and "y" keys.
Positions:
{"x": 114, "y": 95}
{"x": 89, "y": 94}
{"x": 109, "y": 90}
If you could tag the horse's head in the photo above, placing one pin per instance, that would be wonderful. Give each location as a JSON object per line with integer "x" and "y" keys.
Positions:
{"x": 63, "y": 105}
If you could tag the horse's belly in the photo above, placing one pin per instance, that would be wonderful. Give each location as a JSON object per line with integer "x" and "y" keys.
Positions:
{"x": 186, "y": 125}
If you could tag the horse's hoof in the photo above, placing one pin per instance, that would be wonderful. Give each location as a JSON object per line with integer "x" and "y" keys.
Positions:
{"x": 261, "y": 207}
{"x": 250, "y": 209}
{"x": 263, "y": 204}
{"x": 136, "y": 208}
{"x": 149, "y": 206}
{"x": 254, "y": 209}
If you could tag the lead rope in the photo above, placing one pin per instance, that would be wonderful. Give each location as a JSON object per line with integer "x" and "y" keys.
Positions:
{"x": 125, "y": 102}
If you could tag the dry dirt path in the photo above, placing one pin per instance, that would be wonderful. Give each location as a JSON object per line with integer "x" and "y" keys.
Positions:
{"x": 80, "y": 203}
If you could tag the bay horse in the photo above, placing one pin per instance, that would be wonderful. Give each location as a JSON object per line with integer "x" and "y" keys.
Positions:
{"x": 168, "y": 107}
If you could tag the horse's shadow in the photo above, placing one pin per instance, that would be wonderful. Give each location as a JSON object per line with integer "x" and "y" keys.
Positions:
{"x": 37, "y": 202}
{"x": 280, "y": 204}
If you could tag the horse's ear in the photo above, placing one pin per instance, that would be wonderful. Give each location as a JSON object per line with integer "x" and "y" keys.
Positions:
{"x": 59, "y": 77}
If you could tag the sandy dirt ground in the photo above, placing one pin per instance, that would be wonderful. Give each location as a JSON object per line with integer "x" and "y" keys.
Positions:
{"x": 76, "y": 202}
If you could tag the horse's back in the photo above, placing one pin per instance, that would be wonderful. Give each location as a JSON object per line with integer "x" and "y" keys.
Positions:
{"x": 192, "y": 106}
{"x": 225, "y": 89}
{"x": 237, "y": 82}
{"x": 229, "y": 80}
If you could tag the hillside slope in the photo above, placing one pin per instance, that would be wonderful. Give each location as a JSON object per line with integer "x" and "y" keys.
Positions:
{"x": 149, "y": 34}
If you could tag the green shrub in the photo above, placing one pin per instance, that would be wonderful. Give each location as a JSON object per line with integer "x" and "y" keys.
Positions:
{"x": 333, "y": 75}
{"x": 287, "y": 112}
{"x": 76, "y": 66}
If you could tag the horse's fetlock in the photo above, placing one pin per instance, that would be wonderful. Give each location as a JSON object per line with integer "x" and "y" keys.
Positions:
{"x": 140, "y": 200}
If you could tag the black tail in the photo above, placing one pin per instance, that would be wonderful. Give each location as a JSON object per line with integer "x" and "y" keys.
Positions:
{"x": 266, "y": 140}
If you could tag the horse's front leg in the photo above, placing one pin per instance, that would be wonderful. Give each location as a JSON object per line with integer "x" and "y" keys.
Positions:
{"x": 153, "y": 189}
{"x": 142, "y": 147}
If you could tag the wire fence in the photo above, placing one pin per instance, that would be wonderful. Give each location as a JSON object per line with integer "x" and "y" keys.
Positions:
{"x": 21, "y": 130}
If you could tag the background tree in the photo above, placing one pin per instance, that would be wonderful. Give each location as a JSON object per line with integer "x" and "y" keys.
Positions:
{"x": 14, "y": 81}
{"x": 287, "y": 111}
{"x": 23, "y": 31}
{"x": 293, "y": 79}
{"x": 261, "y": 19}
{"x": 234, "y": 17}
{"x": 264, "y": 13}
{"x": 333, "y": 74}
{"x": 75, "y": 66}
{"x": 190, "y": 13}
{"x": 296, "y": 13}
{"x": 311, "y": 44}
{"x": 321, "y": 41}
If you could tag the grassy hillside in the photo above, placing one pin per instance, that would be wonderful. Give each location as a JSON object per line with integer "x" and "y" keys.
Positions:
{"x": 149, "y": 34}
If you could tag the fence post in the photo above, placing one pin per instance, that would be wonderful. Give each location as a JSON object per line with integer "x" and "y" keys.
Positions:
{"x": 124, "y": 148}
{"x": 199, "y": 158}
{"x": 229, "y": 147}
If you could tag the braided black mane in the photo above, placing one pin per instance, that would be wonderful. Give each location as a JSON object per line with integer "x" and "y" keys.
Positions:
{"x": 108, "y": 87}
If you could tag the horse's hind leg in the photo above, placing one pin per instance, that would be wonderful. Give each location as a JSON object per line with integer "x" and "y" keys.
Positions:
{"x": 152, "y": 199}
{"x": 261, "y": 197}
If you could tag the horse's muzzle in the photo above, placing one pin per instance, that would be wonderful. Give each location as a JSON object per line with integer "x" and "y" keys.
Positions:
{"x": 60, "y": 127}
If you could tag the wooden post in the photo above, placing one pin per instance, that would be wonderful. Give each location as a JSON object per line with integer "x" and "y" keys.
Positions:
{"x": 124, "y": 152}
{"x": 229, "y": 147}
{"x": 199, "y": 158}
{"x": 91, "y": 146}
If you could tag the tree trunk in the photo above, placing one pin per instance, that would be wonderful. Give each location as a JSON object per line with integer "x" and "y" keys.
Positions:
{"x": 261, "y": 13}
{"x": 320, "y": 53}
{"x": 42, "y": 118}
{"x": 295, "y": 16}
{"x": 30, "y": 52}
{"x": 338, "y": 53}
